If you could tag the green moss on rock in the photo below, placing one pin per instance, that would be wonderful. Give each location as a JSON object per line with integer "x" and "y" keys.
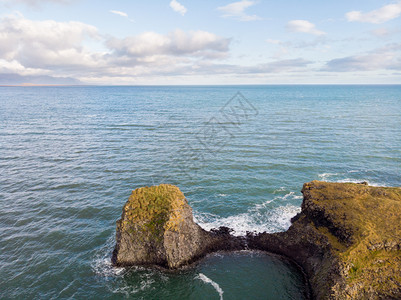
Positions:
{"x": 154, "y": 209}
{"x": 347, "y": 238}
{"x": 366, "y": 223}
{"x": 157, "y": 228}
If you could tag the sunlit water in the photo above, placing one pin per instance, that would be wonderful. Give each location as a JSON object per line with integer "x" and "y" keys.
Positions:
{"x": 70, "y": 156}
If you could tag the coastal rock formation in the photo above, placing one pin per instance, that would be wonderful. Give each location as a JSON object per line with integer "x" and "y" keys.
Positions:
{"x": 347, "y": 238}
{"x": 157, "y": 228}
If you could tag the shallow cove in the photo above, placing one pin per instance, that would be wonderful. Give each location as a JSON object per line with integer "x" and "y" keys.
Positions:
{"x": 232, "y": 275}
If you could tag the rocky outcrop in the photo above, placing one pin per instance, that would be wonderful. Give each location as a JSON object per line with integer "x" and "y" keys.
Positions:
{"x": 347, "y": 238}
{"x": 157, "y": 228}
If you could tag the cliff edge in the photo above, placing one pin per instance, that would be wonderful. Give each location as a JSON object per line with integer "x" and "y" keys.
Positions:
{"x": 347, "y": 238}
{"x": 157, "y": 228}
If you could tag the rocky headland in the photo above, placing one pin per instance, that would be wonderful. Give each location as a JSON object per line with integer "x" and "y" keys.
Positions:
{"x": 157, "y": 228}
{"x": 347, "y": 238}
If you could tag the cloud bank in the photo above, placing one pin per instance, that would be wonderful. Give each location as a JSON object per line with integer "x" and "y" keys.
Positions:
{"x": 58, "y": 52}
{"x": 45, "y": 44}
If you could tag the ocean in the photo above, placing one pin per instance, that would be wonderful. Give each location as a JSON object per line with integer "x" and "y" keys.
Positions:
{"x": 70, "y": 157}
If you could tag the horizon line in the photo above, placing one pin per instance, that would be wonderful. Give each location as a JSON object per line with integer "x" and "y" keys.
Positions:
{"x": 185, "y": 85}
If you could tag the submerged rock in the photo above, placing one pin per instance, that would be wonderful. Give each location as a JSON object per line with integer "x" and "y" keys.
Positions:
{"x": 347, "y": 238}
{"x": 157, "y": 228}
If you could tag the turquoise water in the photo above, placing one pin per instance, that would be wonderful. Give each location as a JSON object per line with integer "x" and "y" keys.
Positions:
{"x": 70, "y": 156}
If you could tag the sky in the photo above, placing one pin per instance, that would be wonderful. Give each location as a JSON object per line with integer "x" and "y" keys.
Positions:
{"x": 183, "y": 42}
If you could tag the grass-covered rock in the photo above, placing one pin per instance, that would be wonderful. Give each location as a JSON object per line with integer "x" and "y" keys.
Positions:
{"x": 347, "y": 238}
{"x": 157, "y": 228}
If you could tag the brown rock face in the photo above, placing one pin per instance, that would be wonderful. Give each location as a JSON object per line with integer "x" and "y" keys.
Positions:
{"x": 347, "y": 238}
{"x": 157, "y": 228}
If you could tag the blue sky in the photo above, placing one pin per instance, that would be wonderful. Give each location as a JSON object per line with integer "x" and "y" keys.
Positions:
{"x": 200, "y": 42}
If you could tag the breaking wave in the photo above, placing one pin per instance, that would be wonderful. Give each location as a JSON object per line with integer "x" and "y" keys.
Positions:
{"x": 265, "y": 217}
{"x": 350, "y": 176}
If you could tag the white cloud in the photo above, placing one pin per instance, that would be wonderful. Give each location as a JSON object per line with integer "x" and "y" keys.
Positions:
{"x": 121, "y": 14}
{"x": 177, "y": 43}
{"x": 45, "y": 44}
{"x": 178, "y": 7}
{"x": 51, "y": 51}
{"x": 13, "y": 66}
{"x": 236, "y": 10}
{"x": 303, "y": 26}
{"x": 381, "y": 15}
{"x": 58, "y": 48}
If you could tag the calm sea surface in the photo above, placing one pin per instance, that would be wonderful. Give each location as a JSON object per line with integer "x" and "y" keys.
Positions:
{"x": 70, "y": 156}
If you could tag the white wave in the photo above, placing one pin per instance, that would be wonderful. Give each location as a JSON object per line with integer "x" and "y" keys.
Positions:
{"x": 127, "y": 290}
{"x": 104, "y": 267}
{"x": 349, "y": 180}
{"x": 107, "y": 273}
{"x": 263, "y": 205}
{"x": 146, "y": 282}
{"x": 342, "y": 178}
{"x": 283, "y": 215}
{"x": 239, "y": 223}
{"x": 260, "y": 218}
{"x": 101, "y": 263}
{"x": 354, "y": 180}
{"x": 292, "y": 195}
{"x": 281, "y": 189}
{"x": 325, "y": 176}
{"x": 206, "y": 279}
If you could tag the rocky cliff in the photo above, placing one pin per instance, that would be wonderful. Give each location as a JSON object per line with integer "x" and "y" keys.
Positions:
{"x": 347, "y": 238}
{"x": 157, "y": 228}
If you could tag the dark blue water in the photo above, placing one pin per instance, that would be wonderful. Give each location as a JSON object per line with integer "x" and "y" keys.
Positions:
{"x": 70, "y": 156}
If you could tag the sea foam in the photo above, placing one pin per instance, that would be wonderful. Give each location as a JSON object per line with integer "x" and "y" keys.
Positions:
{"x": 262, "y": 217}
{"x": 206, "y": 279}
